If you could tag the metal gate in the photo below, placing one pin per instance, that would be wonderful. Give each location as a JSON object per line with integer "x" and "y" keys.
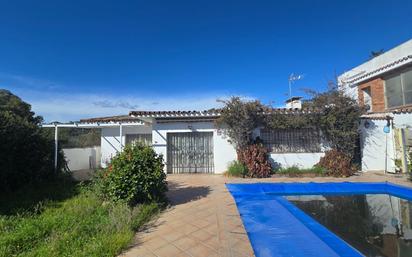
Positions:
{"x": 190, "y": 152}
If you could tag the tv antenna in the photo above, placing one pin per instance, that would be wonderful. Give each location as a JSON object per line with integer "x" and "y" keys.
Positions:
{"x": 293, "y": 78}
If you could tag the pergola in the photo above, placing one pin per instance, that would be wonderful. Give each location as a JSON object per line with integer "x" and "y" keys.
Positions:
{"x": 92, "y": 124}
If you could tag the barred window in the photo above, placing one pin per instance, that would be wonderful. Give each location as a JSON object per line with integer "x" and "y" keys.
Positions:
{"x": 143, "y": 138}
{"x": 302, "y": 140}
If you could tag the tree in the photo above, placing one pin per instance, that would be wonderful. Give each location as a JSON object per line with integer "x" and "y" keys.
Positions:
{"x": 13, "y": 104}
{"x": 26, "y": 152}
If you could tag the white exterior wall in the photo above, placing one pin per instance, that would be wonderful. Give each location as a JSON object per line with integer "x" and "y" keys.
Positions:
{"x": 402, "y": 120}
{"x": 301, "y": 160}
{"x": 374, "y": 148}
{"x": 223, "y": 151}
{"x": 373, "y": 142}
{"x": 350, "y": 91}
{"x": 82, "y": 158}
{"x": 110, "y": 140}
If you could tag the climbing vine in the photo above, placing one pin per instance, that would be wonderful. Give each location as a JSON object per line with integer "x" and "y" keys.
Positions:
{"x": 239, "y": 119}
{"x": 333, "y": 113}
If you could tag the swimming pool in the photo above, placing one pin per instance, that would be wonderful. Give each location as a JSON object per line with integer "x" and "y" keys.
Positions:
{"x": 326, "y": 219}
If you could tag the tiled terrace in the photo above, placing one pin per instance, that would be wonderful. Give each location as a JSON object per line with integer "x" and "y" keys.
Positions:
{"x": 203, "y": 219}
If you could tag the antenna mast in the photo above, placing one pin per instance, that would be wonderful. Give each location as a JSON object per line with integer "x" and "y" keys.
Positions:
{"x": 292, "y": 78}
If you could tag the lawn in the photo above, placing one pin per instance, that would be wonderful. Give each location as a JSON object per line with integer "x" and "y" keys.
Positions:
{"x": 62, "y": 218}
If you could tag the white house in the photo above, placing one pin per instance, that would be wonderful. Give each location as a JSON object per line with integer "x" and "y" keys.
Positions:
{"x": 384, "y": 86}
{"x": 191, "y": 142}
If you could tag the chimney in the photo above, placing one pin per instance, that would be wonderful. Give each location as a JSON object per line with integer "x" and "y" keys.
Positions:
{"x": 294, "y": 102}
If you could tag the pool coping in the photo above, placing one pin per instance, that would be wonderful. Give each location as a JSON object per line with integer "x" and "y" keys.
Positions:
{"x": 245, "y": 194}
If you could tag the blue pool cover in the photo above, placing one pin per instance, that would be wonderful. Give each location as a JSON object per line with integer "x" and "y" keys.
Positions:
{"x": 276, "y": 227}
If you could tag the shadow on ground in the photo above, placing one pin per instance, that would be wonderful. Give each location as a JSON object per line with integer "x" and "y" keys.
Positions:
{"x": 32, "y": 197}
{"x": 83, "y": 175}
{"x": 180, "y": 193}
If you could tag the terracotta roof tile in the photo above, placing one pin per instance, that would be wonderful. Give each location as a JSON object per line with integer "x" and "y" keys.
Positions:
{"x": 136, "y": 115}
{"x": 211, "y": 113}
{"x": 384, "y": 115}
{"x": 174, "y": 113}
{"x": 119, "y": 118}
{"x": 377, "y": 116}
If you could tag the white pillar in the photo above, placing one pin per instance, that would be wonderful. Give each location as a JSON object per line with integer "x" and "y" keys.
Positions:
{"x": 56, "y": 146}
{"x": 121, "y": 137}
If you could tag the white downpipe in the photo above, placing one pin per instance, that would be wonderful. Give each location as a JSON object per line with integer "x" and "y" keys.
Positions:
{"x": 121, "y": 137}
{"x": 56, "y": 146}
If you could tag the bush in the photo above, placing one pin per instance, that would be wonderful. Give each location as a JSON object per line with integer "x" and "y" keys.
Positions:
{"x": 237, "y": 169}
{"x": 26, "y": 152}
{"x": 337, "y": 164}
{"x": 135, "y": 176}
{"x": 255, "y": 158}
{"x": 318, "y": 170}
{"x": 296, "y": 171}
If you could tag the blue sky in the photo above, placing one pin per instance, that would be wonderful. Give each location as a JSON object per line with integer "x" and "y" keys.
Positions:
{"x": 78, "y": 59}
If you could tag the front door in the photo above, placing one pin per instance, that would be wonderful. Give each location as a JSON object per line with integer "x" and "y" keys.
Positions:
{"x": 190, "y": 152}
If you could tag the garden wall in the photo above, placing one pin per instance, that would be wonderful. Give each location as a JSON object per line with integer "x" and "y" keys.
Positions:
{"x": 83, "y": 158}
{"x": 301, "y": 160}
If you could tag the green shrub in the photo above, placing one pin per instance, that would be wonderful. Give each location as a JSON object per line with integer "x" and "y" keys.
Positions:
{"x": 337, "y": 163}
{"x": 318, "y": 169}
{"x": 290, "y": 170}
{"x": 237, "y": 169}
{"x": 255, "y": 158}
{"x": 135, "y": 175}
{"x": 296, "y": 171}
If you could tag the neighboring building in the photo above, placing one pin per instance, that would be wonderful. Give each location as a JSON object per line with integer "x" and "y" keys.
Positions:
{"x": 383, "y": 85}
{"x": 191, "y": 143}
{"x": 294, "y": 102}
